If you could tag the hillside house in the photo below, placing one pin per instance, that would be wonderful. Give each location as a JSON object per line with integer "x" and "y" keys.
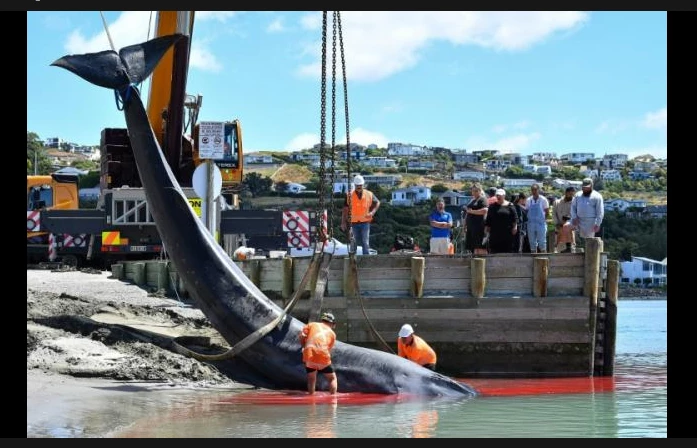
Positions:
{"x": 407, "y": 197}
{"x": 648, "y": 272}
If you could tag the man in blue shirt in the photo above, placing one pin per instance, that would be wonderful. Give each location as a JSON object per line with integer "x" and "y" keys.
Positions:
{"x": 441, "y": 222}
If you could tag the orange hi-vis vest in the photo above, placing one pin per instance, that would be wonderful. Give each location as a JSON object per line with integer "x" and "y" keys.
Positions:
{"x": 419, "y": 351}
{"x": 360, "y": 207}
{"x": 317, "y": 340}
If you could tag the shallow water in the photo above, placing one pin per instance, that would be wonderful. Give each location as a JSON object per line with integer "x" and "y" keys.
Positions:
{"x": 633, "y": 403}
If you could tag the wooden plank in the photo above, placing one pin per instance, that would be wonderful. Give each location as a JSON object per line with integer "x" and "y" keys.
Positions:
{"x": 499, "y": 267}
{"x": 565, "y": 260}
{"x": 383, "y": 262}
{"x": 410, "y": 303}
{"x": 272, "y": 285}
{"x": 494, "y": 336}
{"x": 452, "y": 332}
{"x": 438, "y": 263}
{"x": 513, "y": 286}
{"x": 446, "y": 315}
{"x": 565, "y": 286}
{"x": 374, "y": 274}
{"x": 472, "y": 303}
{"x": 566, "y": 271}
{"x": 384, "y": 284}
{"x": 461, "y": 272}
{"x": 448, "y": 286}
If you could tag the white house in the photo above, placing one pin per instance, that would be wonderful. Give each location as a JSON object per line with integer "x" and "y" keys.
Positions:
{"x": 610, "y": 175}
{"x": 410, "y": 196}
{"x": 621, "y": 205}
{"x": 292, "y": 187}
{"x": 469, "y": 175}
{"x": 543, "y": 169}
{"x": 520, "y": 183}
{"x": 380, "y": 162}
{"x": 577, "y": 157}
{"x": 648, "y": 271}
{"x": 89, "y": 193}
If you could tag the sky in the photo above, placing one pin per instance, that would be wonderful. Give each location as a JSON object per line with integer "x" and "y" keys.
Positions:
{"x": 569, "y": 81}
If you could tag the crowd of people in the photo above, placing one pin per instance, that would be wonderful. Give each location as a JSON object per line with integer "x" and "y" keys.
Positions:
{"x": 492, "y": 221}
{"x": 496, "y": 223}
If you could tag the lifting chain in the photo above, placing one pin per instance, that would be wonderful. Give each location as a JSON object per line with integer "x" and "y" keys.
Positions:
{"x": 322, "y": 190}
{"x": 323, "y": 130}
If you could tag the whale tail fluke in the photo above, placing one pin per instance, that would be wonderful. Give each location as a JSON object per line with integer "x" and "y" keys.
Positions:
{"x": 131, "y": 65}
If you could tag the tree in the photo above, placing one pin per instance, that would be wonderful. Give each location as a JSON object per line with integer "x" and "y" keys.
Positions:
{"x": 281, "y": 186}
{"x": 36, "y": 153}
{"x": 256, "y": 184}
{"x": 439, "y": 188}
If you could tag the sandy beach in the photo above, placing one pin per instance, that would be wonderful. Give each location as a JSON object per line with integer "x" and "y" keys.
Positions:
{"x": 84, "y": 338}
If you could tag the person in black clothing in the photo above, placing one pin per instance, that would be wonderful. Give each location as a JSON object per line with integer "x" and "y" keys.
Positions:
{"x": 520, "y": 241}
{"x": 501, "y": 224}
{"x": 475, "y": 211}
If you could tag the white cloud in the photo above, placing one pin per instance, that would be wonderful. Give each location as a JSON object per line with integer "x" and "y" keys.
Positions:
{"x": 612, "y": 127}
{"x": 658, "y": 151}
{"x": 302, "y": 141}
{"x": 365, "y": 138}
{"x": 567, "y": 125}
{"x": 513, "y": 143}
{"x": 131, "y": 27}
{"x": 276, "y": 26}
{"x": 656, "y": 120}
{"x": 220, "y": 16}
{"x": 358, "y": 135}
{"x": 520, "y": 125}
{"x": 516, "y": 143}
{"x": 382, "y": 43}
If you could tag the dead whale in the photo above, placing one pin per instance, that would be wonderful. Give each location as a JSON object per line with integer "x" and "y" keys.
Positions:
{"x": 233, "y": 304}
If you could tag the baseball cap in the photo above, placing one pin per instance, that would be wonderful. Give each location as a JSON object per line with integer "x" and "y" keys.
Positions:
{"x": 501, "y": 192}
{"x": 405, "y": 331}
{"x": 587, "y": 182}
{"x": 328, "y": 317}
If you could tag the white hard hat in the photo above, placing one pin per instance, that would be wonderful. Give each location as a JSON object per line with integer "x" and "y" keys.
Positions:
{"x": 405, "y": 331}
{"x": 358, "y": 180}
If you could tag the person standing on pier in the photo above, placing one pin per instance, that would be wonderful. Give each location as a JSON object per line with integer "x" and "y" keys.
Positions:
{"x": 364, "y": 205}
{"x": 441, "y": 223}
{"x": 538, "y": 210}
{"x": 587, "y": 210}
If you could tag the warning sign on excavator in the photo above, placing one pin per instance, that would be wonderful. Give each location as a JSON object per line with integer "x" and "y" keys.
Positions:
{"x": 196, "y": 204}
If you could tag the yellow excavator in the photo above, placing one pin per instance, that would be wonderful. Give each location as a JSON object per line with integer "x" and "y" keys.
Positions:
{"x": 166, "y": 114}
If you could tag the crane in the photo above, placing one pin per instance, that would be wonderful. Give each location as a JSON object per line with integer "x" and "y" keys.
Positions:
{"x": 167, "y": 101}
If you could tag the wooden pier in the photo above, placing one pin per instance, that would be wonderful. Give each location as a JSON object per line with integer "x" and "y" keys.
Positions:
{"x": 499, "y": 315}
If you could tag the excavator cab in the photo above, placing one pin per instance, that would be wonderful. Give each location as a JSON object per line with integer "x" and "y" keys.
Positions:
{"x": 232, "y": 161}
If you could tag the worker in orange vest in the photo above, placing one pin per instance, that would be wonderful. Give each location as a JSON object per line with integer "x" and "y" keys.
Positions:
{"x": 317, "y": 340}
{"x": 364, "y": 205}
{"x": 414, "y": 348}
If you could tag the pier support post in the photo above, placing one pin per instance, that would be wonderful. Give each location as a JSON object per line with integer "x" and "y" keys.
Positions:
{"x": 590, "y": 290}
{"x": 255, "y": 272}
{"x": 287, "y": 283}
{"x": 540, "y": 273}
{"x": 478, "y": 280}
{"x": 592, "y": 269}
{"x": 139, "y": 273}
{"x": 349, "y": 281}
{"x": 118, "y": 271}
{"x": 612, "y": 291}
{"x": 417, "y": 277}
